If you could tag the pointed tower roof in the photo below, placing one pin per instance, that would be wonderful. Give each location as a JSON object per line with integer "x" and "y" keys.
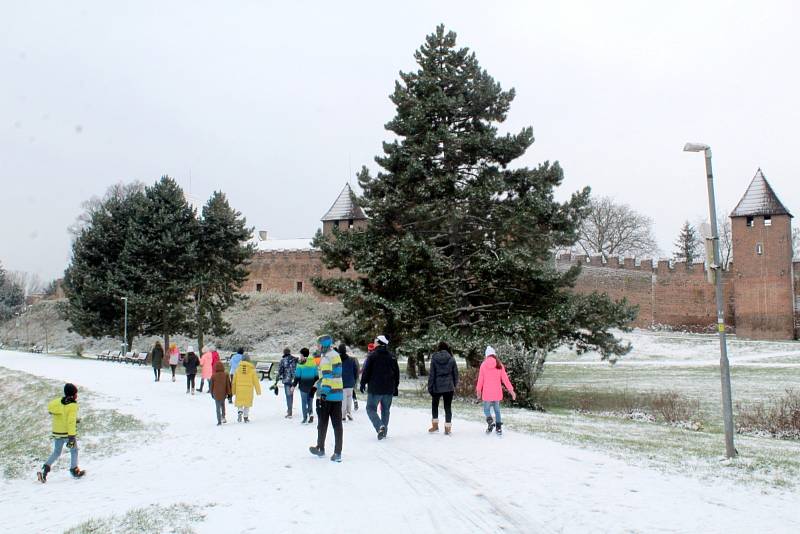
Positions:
{"x": 345, "y": 207}
{"x": 759, "y": 199}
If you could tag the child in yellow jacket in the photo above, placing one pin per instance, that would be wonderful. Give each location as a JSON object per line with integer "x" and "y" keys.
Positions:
{"x": 64, "y": 411}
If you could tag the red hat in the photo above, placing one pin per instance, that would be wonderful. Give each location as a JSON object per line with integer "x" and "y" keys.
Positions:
{"x": 371, "y": 347}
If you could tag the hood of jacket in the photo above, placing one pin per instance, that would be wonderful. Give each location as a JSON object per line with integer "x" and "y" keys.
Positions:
{"x": 441, "y": 357}
{"x": 219, "y": 367}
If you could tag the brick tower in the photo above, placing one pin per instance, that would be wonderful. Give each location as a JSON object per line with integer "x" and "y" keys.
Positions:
{"x": 345, "y": 214}
{"x": 762, "y": 263}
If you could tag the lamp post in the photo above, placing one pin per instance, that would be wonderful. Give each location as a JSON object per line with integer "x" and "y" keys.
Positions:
{"x": 724, "y": 366}
{"x": 125, "y": 339}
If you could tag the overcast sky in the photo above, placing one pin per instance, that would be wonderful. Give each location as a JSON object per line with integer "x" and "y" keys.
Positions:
{"x": 279, "y": 104}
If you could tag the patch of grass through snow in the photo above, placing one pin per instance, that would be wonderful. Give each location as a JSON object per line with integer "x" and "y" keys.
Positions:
{"x": 153, "y": 519}
{"x": 25, "y": 424}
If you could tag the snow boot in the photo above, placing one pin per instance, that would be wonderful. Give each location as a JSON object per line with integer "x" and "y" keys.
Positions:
{"x": 310, "y": 419}
{"x": 490, "y": 423}
{"x": 448, "y": 429}
{"x": 42, "y": 475}
{"x": 355, "y": 404}
{"x": 381, "y": 432}
{"x": 336, "y": 457}
{"x": 239, "y": 419}
{"x": 77, "y": 472}
{"x": 246, "y": 419}
{"x": 349, "y": 417}
{"x": 434, "y": 426}
{"x": 316, "y": 451}
{"x": 499, "y": 429}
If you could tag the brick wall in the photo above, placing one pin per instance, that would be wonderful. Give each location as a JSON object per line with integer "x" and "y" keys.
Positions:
{"x": 676, "y": 296}
{"x": 282, "y": 271}
{"x": 796, "y": 270}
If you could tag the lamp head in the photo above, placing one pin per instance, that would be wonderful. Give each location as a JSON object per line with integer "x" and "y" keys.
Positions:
{"x": 695, "y": 147}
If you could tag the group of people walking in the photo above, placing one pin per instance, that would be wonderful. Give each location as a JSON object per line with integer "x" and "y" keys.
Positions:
{"x": 331, "y": 375}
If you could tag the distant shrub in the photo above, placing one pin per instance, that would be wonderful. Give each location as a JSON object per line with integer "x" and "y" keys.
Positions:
{"x": 78, "y": 348}
{"x": 673, "y": 407}
{"x": 780, "y": 417}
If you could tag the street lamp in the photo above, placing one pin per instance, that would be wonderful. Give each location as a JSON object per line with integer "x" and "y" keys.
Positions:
{"x": 125, "y": 339}
{"x": 725, "y": 371}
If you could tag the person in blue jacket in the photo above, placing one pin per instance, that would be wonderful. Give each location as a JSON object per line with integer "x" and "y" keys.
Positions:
{"x": 305, "y": 376}
{"x": 236, "y": 359}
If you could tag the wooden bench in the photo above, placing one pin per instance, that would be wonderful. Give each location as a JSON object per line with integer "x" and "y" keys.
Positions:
{"x": 264, "y": 368}
{"x": 37, "y": 349}
{"x": 104, "y": 355}
{"x": 138, "y": 358}
{"x": 114, "y": 356}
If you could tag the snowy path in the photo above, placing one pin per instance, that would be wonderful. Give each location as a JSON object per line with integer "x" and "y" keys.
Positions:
{"x": 262, "y": 478}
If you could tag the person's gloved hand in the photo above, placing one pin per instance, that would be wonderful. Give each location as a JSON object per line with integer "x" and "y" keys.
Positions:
{"x": 71, "y": 442}
{"x": 362, "y": 388}
{"x": 395, "y": 393}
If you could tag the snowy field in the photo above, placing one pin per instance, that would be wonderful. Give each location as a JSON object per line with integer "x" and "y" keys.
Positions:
{"x": 260, "y": 477}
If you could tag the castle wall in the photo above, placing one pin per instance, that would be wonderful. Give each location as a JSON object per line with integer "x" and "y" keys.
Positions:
{"x": 676, "y": 296}
{"x": 289, "y": 271}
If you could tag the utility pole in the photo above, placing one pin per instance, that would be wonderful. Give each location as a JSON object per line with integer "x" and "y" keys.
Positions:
{"x": 724, "y": 366}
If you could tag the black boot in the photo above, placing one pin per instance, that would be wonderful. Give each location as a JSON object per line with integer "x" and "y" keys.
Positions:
{"x": 42, "y": 475}
{"x": 77, "y": 472}
{"x": 499, "y": 429}
{"x": 490, "y": 425}
{"x": 316, "y": 451}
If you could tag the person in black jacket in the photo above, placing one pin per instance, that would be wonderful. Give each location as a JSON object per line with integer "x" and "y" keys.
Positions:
{"x": 381, "y": 378}
{"x": 156, "y": 359}
{"x": 190, "y": 364}
{"x": 442, "y": 382}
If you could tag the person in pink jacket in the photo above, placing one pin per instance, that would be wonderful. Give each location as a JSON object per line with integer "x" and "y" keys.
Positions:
{"x": 207, "y": 361}
{"x": 491, "y": 379}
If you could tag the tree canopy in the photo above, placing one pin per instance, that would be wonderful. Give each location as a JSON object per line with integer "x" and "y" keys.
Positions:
{"x": 459, "y": 244}
{"x": 177, "y": 271}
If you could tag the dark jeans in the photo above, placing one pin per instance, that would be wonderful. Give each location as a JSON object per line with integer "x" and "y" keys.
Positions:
{"x": 173, "y": 369}
{"x": 372, "y": 409}
{"x": 306, "y": 403}
{"x": 329, "y": 410}
{"x": 200, "y": 389}
{"x": 220, "y": 409}
{"x": 448, "y": 402}
{"x": 157, "y": 372}
{"x": 190, "y": 381}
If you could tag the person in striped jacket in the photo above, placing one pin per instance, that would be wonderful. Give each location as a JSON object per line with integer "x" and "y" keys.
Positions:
{"x": 329, "y": 400}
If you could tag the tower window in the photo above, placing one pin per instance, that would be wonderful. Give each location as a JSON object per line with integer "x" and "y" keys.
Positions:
{"x": 759, "y": 249}
{"x": 336, "y": 224}
{"x": 749, "y": 222}
{"x": 767, "y": 220}
{"x": 350, "y": 224}
{"x": 258, "y": 288}
{"x": 299, "y": 287}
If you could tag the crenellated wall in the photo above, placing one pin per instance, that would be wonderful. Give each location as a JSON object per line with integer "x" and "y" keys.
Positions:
{"x": 674, "y": 295}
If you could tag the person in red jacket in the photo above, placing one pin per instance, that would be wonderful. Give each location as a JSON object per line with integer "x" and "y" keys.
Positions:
{"x": 489, "y": 388}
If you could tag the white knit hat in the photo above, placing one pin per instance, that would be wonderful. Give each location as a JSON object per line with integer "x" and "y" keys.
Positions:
{"x": 382, "y": 340}
{"x": 489, "y": 351}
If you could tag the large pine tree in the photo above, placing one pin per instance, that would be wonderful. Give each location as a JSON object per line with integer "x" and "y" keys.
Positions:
{"x": 224, "y": 251}
{"x": 458, "y": 243}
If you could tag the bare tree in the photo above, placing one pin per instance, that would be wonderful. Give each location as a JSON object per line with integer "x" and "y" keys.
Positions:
{"x": 118, "y": 190}
{"x": 612, "y": 229}
{"x": 725, "y": 240}
{"x": 30, "y": 283}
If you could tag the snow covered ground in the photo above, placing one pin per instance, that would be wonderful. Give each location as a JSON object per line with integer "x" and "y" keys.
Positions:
{"x": 261, "y": 478}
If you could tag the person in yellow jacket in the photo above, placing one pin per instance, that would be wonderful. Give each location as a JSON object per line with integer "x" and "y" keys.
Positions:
{"x": 245, "y": 381}
{"x": 64, "y": 411}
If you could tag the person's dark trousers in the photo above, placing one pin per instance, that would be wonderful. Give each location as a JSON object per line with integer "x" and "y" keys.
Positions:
{"x": 173, "y": 370}
{"x": 220, "y": 409}
{"x": 190, "y": 382}
{"x": 448, "y": 403}
{"x": 329, "y": 410}
{"x": 372, "y": 409}
{"x": 157, "y": 373}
